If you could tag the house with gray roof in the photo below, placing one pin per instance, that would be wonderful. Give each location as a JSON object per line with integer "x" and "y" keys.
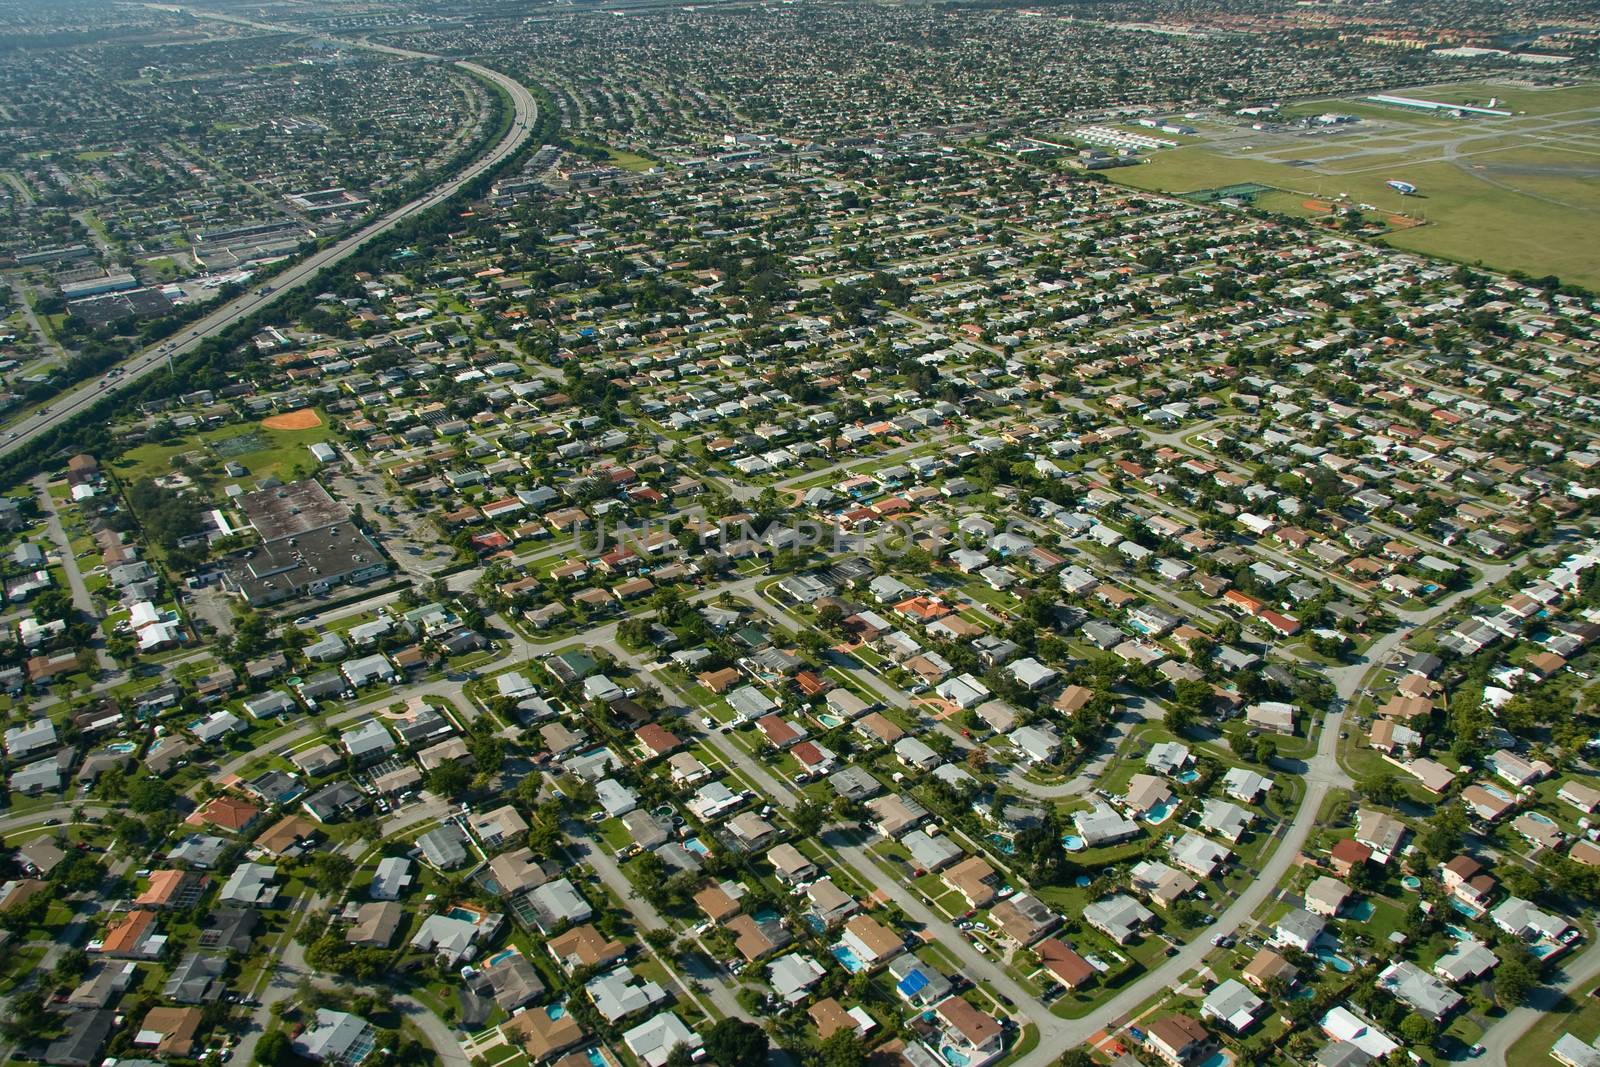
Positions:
{"x": 445, "y": 846}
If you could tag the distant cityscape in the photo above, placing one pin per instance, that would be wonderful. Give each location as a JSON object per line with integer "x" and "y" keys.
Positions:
{"x": 817, "y": 534}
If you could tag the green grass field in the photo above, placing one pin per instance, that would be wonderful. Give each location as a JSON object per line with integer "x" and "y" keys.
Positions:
{"x": 619, "y": 158}
{"x": 270, "y": 452}
{"x": 1512, "y": 194}
{"x": 1578, "y": 1015}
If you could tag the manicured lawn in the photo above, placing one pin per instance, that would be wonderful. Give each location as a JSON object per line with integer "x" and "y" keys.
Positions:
{"x": 261, "y": 450}
{"x": 1578, "y": 1015}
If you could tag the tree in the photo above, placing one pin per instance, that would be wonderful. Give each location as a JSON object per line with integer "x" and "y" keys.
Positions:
{"x": 843, "y": 1048}
{"x": 450, "y": 779}
{"x": 1516, "y": 976}
{"x": 1382, "y": 788}
{"x": 1444, "y": 834}
{"x": 1416, "y": 1030}
{"x": 275, "y": 1050}
{"x": 331, "y": 871}
{"x": 1179, "y": 718}
{"x": 736, "y": 1043}
{"x": 28, "y": 1017}
{"x": 808, "y": 817}
{"x": 148, "y": 795}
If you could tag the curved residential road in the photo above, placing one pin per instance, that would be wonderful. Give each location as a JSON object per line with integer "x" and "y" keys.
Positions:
{"x": 1568, "y": 978}
{"x": 61, "y": 408}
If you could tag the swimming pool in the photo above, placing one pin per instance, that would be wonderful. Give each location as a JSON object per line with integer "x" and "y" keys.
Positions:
{"x": 464, "y": 914}
{"x": 1003, "y": 844}
{"x": 1073, "y": 843}
{"x": 122, "y": 748}
{"x": 954, "y": 1058}
{"x": 694, "y": 844}
{"x": 1457, "y": 932}
{"x": 555, "y": 1011}
{"x": 1188, "y": 776}
{"x": 1082, "y": 880}
{"x": 597, "y": 1058}
{"x": 1160, "y": 813}
{"x": 1411, "y": 883}
{"x": 767, "y": 915}
{"x": 1334, "y": 960}
{"x": 501, "y": 955}
{"x": 1464, "y": 908}
{"x": 829, "y": 721}
{"x": 1360, "y": 911}
{"x": 846, "y": 956}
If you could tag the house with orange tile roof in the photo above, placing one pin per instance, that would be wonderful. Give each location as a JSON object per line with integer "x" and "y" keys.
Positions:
{"x": 172, "y": 888}
{"x": 225, "y": 813}
{"x": 922, "y": 609}
{"x": 134, "y": 936}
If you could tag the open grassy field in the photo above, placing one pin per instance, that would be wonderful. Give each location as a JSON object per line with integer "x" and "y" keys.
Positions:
{"x": 1514, "y": 193}
{"x": 619, "y": 158}
{"x": 261, "y": 449}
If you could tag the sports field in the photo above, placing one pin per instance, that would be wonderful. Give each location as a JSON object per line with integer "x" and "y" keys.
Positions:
{"x": 1519, "y": 192}
{"x": 263, "y": 448}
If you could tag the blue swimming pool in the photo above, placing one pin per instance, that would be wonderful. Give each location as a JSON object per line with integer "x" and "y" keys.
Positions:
{"x": 464, "y": 914}
{"x": 556, "y": 1010}
{"x": 1082, "y": 880}
{"x": 1360, "y": 911}
{"x": 1188, "y": 776}
{"x": 848, "y": 958}
{"x": 829, "y": 721}
{"x": 1073, "y": 843}
{"x": 501, "y": 955}
{"x": 1334, "y": 960}
{"x": 954, "y": 1058}
{"x": 1003, "y": 844}
{"x": 1160, "y": 813}
{"x": 1411, "y": 883}
{"x": 597, "y": 1058}
{"x": 767, "y": 915}
{"x": 694, "y": 844}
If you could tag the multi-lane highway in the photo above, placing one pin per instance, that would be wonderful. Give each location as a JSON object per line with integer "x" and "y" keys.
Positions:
{"x": 153, "y": 359}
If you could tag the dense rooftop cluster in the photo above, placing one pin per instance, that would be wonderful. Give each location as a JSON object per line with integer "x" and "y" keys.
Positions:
{"x": 873, "y": 593}
{"x": 661, "y": 77}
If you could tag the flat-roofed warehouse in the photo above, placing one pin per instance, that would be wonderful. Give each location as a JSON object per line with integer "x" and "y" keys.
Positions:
{"x": 308, "y": 545}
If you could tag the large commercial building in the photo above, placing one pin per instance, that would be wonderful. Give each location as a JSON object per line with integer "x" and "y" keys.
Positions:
{"x": 308, "y": 545}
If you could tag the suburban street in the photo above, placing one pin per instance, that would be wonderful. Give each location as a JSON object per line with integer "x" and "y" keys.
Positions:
{"x": 525, "y": 112}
